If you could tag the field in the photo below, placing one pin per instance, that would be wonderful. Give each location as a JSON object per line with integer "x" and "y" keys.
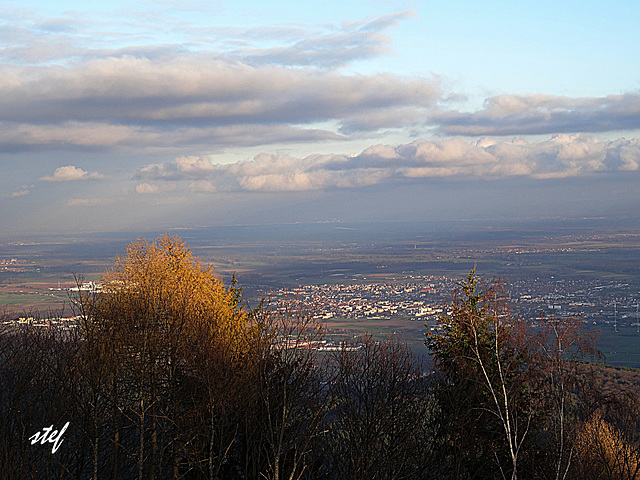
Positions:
{"x": 621, "y": 348}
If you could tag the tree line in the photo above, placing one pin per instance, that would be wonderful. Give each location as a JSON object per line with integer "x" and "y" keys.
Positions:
{"x": 169, "y": 375}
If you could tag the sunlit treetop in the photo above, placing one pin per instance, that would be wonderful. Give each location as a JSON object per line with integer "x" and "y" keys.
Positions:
{"x": 160, "y": 283}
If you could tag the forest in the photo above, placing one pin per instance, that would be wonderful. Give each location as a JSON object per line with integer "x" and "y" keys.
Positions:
{"x": 168, "y": 374}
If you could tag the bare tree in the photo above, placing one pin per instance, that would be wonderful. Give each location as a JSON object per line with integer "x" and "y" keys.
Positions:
{"x": 564, "y": 345}
{"x": 381, "y": 409}
{"x": 291, "y": 391}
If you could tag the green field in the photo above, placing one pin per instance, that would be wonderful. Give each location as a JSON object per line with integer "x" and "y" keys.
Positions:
{"x": 621, "y": 348}
{"x": 17, "y": 299}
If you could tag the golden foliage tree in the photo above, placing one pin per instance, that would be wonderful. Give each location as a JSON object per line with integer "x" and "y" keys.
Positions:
{"x": 171, "y": 290}
{"x": 604, "y": 453}
{"x": 158, "y": 320}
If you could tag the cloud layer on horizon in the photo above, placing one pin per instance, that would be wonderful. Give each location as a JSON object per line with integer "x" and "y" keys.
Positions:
{"x": 558, "y": 157}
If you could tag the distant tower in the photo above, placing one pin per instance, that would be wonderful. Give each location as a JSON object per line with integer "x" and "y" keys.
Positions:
{"x": 615, "y": 316}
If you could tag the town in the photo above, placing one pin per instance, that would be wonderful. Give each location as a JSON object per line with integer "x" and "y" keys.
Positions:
{"x": 411, "y": 296}
{"x": 422, "y": 297}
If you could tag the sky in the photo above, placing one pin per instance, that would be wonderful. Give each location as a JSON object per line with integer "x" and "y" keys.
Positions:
{"x": 151, "y": 115}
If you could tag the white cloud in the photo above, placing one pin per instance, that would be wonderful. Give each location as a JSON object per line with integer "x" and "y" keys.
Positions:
{"x": 146, "y": 188}
{"x": 333, "y": 48}
{"x": 80, "y": 89}
{"x": 77, "y": 34}
{"x": 71, "y": 173}
{"x": 193, "y": 164}
{"x": 559, "y": 156}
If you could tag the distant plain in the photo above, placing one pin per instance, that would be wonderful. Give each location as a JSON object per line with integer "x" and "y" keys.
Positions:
{"x": 35, "y": 272}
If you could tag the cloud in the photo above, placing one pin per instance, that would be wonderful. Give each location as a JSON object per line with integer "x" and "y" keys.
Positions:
{"x": 559, "y": 156}
{"x": 79, "y": 136}
{"x": 331, "y": 49}
{"x": 71, "y": 173}
{"x": 544, "y": 114}
{"x": 193, "y": 164}
{"x": 20, "y": 193}
{"x": 180, "y": 168}
{"x": 88, "y": 86}
{"x": 197, "y": 90}
{"x": 213, "y": 103}
{"x": 81, "y": 34}
{"x": 146, "y": 188}
{"x": 88, "y": 202}
{"x": 202, "y": 186}
{"x": 174, "y": 101}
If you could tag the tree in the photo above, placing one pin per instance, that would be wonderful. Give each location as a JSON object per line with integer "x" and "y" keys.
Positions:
{"x": 157, "y": 309}
{"x": 563, "y": 345}
{"x": 486, "y": 392}
{"x": 603, "y": 452}
{"x": 381, "y": 411}
{"x": 291, "y": 392}
{"x": 35, "y": 378}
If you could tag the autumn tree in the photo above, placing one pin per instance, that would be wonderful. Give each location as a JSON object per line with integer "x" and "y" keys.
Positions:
{"x": 604, "y": 453}
{"x": 156, "y": 310}
{"x": 222, "y": 385}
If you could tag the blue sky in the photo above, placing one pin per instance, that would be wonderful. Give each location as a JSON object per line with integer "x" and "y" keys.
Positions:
{"x": 154, "y": 115}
